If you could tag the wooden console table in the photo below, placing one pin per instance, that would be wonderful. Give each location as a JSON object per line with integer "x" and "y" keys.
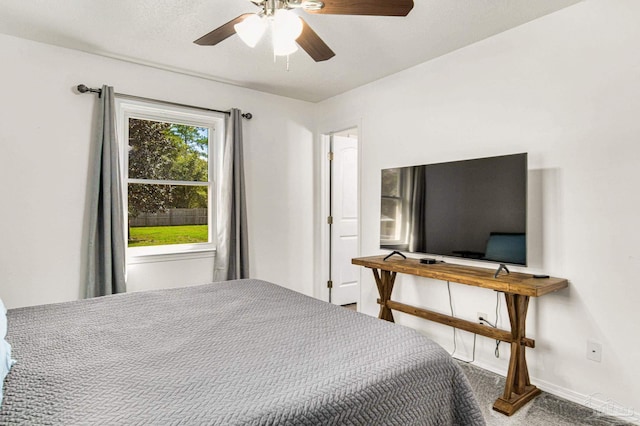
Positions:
{"x": 517, "y": 289}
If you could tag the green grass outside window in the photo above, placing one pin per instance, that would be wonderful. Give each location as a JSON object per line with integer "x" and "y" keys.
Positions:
{"x": 165, "y": 235}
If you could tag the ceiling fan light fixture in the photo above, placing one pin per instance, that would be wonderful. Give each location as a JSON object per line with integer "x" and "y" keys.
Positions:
{"x": 251, "y": 29}
{"x": 291, "y": 31}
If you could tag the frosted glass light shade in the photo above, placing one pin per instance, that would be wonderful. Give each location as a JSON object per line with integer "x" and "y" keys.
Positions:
{"x": 287, "y": 24}
{"x": 251, "y": 29}
{"x": 284, "y": 47}
{"x": 287, "y": 27}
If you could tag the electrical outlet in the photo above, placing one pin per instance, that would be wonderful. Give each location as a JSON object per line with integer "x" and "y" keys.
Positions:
{"x": 482, "y": 315}
{"x": 594, "y": 351}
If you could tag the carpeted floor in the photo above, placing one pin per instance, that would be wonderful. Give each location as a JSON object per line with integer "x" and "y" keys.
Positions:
{"x": 544, "y": 410}
{"x": 352, "y": 306}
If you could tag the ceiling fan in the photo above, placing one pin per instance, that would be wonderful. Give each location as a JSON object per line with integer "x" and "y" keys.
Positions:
{"x": 289, "y": 29}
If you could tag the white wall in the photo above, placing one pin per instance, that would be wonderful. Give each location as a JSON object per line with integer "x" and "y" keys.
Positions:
{"x": 44, "y": 152}
{"x": 566, "y": 89}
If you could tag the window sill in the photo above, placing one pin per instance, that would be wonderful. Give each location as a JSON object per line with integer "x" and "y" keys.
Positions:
{"x": 133, "y": 259}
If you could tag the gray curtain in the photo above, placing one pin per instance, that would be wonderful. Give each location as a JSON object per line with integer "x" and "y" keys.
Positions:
{"x": 232, "y": 258}
{"x": 106, "y": 264}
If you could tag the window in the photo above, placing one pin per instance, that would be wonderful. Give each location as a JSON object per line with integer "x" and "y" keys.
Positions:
{"x": 169, "y": 157}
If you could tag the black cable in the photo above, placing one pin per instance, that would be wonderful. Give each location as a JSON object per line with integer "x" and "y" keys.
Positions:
{"x": 497, "y": 351}
{"x": 473, "y": 354}
{"x": 488, "y": 323}
{"x": 451, "y": 308}
{"x": 454, "y": 331}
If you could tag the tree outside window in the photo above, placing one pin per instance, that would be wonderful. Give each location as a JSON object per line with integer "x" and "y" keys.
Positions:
{"x": 168, "y": 183}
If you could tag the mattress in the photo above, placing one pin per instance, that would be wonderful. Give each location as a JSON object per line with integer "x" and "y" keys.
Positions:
{"x": 243, "y": 352}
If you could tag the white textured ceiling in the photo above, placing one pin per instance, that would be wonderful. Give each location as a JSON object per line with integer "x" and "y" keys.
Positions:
{"x": 161, "y": 32}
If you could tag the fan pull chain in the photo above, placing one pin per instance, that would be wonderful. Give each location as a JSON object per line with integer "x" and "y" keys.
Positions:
{"x": 275, "y": 60}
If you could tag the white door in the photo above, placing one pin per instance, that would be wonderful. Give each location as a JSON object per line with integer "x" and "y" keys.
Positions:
{"x": 344, "y": 212}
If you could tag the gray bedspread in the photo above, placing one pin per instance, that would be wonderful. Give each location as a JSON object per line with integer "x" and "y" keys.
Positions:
{"x": 242, "y": 352}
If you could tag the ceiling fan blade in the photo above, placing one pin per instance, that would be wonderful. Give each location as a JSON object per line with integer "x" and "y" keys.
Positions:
{"x": 313, "y": 44}
{"x": 221, "y": 33}
{"x": 366, "y": 7}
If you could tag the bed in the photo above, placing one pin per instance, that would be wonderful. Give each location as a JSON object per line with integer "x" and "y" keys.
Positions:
{"x": 243, "y": 352}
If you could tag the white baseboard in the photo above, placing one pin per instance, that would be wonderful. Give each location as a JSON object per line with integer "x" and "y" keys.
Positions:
{"x": 598, "y": 402}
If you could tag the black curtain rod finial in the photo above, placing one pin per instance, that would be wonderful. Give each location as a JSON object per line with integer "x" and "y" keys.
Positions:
{"x": 84, "y": 89}
{"x": 247, "y": 115}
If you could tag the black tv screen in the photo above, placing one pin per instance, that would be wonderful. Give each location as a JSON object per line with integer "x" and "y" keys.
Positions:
{"x": 475, "y": 209}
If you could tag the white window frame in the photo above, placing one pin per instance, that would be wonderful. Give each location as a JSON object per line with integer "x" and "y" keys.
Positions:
{"x": 156, "y": 111}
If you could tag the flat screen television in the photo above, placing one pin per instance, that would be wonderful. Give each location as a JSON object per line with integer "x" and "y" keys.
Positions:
{"x": 474, "y": 209}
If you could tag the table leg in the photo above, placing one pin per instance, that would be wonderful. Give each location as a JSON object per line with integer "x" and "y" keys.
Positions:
{"x": 385, "y": 288}
{"x": 518, "y": 390}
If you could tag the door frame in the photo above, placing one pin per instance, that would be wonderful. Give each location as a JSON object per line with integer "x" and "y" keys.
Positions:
{"x": 321, "y": 291}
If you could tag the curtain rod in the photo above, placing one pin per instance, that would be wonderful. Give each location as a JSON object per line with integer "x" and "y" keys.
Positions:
{"x": 84, "y": 89}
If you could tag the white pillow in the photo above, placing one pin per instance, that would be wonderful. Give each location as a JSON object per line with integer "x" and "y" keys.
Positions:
{"x": 3, "y": 320}
{"x": 5, "y": 349}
